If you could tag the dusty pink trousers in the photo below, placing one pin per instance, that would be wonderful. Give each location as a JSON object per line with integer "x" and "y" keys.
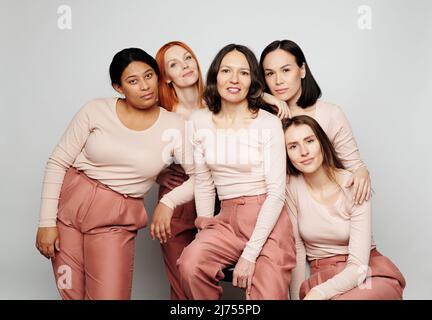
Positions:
{"x": 220, "y": 243}
{"x": 384, "y": 282}
{"x": 183, "y": 231}
{"x": 97, "y": 228}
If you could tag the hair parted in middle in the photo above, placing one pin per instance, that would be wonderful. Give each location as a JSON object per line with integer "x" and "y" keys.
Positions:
{"x": 310, "y": 90}
{"x": 331, "y": 161}
{"x": 211, "y": 94}
{"x": 167, "y": 96}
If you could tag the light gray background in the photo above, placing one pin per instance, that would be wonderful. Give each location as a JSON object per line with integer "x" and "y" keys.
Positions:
{"x": 380, "y": 77}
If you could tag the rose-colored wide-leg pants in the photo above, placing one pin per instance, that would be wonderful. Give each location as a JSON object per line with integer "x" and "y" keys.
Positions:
{"x": 220, "y": 243}
{"x": 97, "y": 228}
{"x": 384, "y": 280}
{"x": 183, "y": 231}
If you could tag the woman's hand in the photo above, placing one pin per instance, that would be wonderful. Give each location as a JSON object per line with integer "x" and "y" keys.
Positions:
{"x": 361, "y": 183}
{"x": 243, "y": 274}
{"x": 281, "y": 107}
{"x": 47, "y": 241}
{"x": 314, "y": 295}
{"x": 170, "y": 178}
{"x": 161, "y": 223}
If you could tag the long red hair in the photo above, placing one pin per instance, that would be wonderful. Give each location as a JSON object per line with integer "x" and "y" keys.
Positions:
{"x": 167, "y": 95}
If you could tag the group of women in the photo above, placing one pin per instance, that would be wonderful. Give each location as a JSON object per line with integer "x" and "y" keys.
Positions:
{"x": 284, "y": 165}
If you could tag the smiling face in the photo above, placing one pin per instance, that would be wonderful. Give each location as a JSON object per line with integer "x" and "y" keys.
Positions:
{"x": 283, "y": 75}
{"x": 139, "y": 85}
{"x": 233, "y": 78}
{"x": 181, "y": 68}
{"x": 303, "y": 148}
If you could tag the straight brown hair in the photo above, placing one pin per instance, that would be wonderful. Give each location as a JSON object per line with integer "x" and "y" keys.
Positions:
{"x": 331, "y": 161}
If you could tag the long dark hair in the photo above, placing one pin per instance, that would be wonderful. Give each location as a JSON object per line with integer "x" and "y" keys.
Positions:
{"x": 331, "y": 161}
{"x": 311, "y": 91}
{"x": 211, "y": 94}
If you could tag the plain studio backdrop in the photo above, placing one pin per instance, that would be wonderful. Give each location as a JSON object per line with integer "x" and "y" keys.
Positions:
{"x": 370, "y": 57}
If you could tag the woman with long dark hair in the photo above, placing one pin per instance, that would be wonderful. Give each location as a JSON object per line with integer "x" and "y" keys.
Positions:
{"x": 238, "y": 150}
{"x": 289, "y": 79}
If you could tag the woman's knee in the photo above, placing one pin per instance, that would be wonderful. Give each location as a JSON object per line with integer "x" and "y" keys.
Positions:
{"x": 188, "y": 262}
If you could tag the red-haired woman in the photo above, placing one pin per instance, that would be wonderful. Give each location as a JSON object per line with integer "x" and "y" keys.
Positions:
{"x": 180, "y": 91}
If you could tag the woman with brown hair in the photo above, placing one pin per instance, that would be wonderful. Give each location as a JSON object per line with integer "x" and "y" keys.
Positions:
{"x": 238, "y": 150}
{"x": 331, "y": 230}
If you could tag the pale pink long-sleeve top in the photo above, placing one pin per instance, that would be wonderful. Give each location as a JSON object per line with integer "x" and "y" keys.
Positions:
{"x": 243, "y": 162}
{"x": 127, "y": 161}
{"x": 335, "y": 124}
{"x": 323, "y": 231}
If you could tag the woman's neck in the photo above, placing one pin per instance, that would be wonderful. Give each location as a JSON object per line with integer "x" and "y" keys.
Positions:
{"x": 322, "y": 188}
{"x": 234, "y": 111}
{"x": 135, "y": 118}
{"x": 295, "y": 109}
{"x": 188, "y": 97}
{"x": 130, "y": 109}
{"x": 318, "y": 180}
{"x": 292, "y": 103}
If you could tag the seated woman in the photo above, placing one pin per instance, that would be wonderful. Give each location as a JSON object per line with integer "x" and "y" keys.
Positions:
{"x": 97, "y": 176}
{"x": 181, "y": 91}
{"x": 333, "y": 232}
{"x": 239, "y": 150}
{"x": 288, "y": 77}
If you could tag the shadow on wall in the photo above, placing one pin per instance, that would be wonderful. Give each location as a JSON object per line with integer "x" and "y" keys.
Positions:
{"x": 149, "y": 280}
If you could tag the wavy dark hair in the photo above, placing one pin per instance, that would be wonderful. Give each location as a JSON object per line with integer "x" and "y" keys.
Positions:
{"x": 331, "y": 161}
{"x": 211, "y": 94}
{"x": 311, "y": 91}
